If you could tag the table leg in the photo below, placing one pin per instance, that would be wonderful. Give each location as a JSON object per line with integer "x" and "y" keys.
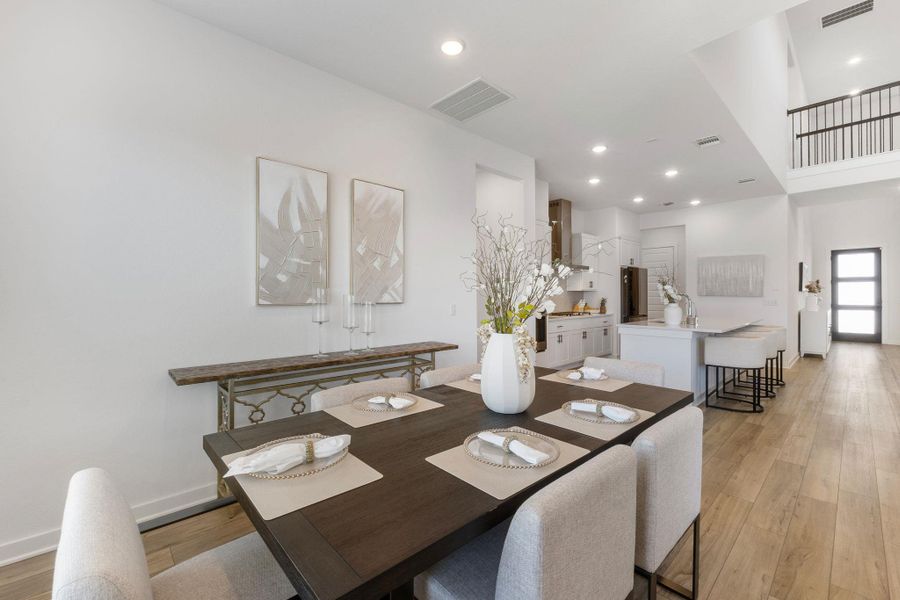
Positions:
{"x": 404, "y": 592}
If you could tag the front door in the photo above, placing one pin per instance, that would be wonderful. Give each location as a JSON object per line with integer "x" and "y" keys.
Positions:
{"x": 856, "y": 295}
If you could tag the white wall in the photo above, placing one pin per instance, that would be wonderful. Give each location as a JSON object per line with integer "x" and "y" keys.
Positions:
{"x": 860, "y": 223}
{"x": 749, "y": 71}
{"x": 753, "y": 226}
{"x": 127, "y": 189}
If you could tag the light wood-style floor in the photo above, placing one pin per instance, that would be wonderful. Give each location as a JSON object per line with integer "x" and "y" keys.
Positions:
{"x": 801, "y": 501}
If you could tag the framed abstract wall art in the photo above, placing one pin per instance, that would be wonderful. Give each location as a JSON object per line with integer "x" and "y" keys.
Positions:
{"x": 376, "y": 243}
{"x": 292, "y": 233}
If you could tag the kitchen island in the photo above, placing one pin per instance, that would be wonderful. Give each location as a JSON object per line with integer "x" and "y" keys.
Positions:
{"x": 678, "y": 349}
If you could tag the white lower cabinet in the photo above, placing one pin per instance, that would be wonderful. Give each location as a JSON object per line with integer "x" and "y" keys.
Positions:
{"x": 569, "y": 341}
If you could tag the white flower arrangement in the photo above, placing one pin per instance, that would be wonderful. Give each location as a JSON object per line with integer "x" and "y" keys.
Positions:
{"x": 667, "y": 288}
{"x": 516, "y": 281}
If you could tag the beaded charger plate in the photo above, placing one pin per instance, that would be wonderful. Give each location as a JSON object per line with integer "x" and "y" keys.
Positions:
{"x": 362, "y": 403}
{"x": 301, "y": 470}
{"x": 565, "y": 375}
{"x": 598, "y": 416}
{"x": 483, "y": 452}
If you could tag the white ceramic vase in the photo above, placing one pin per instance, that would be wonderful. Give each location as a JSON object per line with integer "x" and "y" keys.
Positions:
{"x": 672, "y": 314}
{"x": 812, "y": 302}
{"x": 501, "y": 388}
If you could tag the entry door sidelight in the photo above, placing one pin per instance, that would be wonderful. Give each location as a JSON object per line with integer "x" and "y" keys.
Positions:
{"x": 856, "y": 295}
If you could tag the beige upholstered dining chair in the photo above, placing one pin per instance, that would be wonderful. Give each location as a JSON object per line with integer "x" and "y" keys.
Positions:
{"x": 669, "y": 466}
{"x": 448, "y": 374}
{"x": 628, "y": 370}
{"x": 572, "y": 539}
{"x": 345, "y": 394}
{"x": 101, "y": 556}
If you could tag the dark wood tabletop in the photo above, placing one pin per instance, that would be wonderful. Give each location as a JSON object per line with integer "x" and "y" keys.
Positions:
{"x": 376, "y": 538}
{"x": 270, "y": 366}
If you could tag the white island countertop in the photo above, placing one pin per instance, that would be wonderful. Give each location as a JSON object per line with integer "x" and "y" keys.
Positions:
{"x": 678, "y": 349}
{"x": 710, "y": 325}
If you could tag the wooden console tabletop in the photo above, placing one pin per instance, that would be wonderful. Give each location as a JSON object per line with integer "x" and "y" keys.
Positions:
{"x": 270, "y": 366}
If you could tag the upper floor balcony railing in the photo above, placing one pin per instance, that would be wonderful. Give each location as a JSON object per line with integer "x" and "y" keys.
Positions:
{"x": 845, "y": 127}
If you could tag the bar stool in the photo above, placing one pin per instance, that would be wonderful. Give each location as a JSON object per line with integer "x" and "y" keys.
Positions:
{"x": 771, "y": 339}
{"x": 735, "y": 352}
{"x": 782, "y": 346}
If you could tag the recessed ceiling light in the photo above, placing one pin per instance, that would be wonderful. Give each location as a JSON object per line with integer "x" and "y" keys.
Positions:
{"x": 854, "y": 61}
{"x": 695, "y": 202}
{"x": 452, "y": 47}
{"x": 598, "y": 149}
{"x": 594, "y": 180}
{"x": 854, "y": 92}
{"x": 671, "y": 172}
{"x": 638, "y": 199}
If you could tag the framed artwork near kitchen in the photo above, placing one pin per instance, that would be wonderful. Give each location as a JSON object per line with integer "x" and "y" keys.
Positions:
{"x": 376, "y": 242}
{"x": 291, "y": 233}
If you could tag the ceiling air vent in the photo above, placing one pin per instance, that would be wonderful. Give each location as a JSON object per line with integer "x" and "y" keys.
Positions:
{"x": 847, "y": 13}
{"x": 747, "y": 180}
{"x": 706, "y": 142}
{"x": 470, "y": 100}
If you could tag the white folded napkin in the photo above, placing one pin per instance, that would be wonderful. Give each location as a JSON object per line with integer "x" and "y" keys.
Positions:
{"x": 620, "y": 415}
{"x": 282, "y": 457}
{"x": 523, "y": 451}
{"x": 575, "y": 375}
{"x": 394, "y": 401}
{"x": 475, "y": 376}
{"x": 592, "y": 374}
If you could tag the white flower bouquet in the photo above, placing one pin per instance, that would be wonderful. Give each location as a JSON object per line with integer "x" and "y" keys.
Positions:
{"x": 667, "y": 288}
{"x": 517, "y": 282}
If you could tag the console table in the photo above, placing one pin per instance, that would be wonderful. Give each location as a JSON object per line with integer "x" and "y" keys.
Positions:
{"x": 255, "y": 384}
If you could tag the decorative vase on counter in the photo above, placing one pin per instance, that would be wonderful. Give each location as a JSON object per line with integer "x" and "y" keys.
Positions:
{"x": 812, "y": 302}
{"x": 672, "y": 314}
{"x": 502, "y": 388}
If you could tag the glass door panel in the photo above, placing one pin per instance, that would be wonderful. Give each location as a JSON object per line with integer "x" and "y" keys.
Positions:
{"x": 856, "y": 294}
{"x": 856, "y": 321}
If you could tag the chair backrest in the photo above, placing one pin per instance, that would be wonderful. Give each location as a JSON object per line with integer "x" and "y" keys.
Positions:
{"x": 629, "y": 370}
{"x": 734, "y": 351}
{"x": 575, "y": 537}
{"x": 100, "y": 554}
{"x": 345, "y": 394}
{"x": 448, "y": 374}
{"x": 669, "y": 466}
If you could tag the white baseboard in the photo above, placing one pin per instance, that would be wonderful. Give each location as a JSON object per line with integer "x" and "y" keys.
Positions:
{"x": 790, "y": 364}
{"x": 39, "y": 543}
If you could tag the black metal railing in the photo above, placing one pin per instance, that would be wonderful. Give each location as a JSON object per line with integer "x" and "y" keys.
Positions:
{"x": 845, "y": 127}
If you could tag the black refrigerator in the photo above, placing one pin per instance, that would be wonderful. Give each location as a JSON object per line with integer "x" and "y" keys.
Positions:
{"x": 634, "y": 294}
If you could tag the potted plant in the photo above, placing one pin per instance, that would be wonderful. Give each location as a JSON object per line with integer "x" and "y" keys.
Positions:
{"x": 602, "y": 306}
{"x": 670, "y": 296}
{"x": 813, "y": 294}
{"x": 510, "y": 272}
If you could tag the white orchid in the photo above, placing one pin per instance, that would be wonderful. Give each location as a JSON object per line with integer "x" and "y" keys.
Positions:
{"x": 511, "y": 273}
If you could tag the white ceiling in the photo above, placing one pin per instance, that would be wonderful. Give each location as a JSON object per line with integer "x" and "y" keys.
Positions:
{"x": 582, "y": 72}
{"x": 822, "y": 54}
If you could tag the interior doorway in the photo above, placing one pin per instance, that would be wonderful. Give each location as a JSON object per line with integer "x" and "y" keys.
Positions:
{"x": 656, "y": 261}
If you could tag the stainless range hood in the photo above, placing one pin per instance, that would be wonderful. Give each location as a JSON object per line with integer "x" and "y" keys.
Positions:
{"x": 561, "y": 233}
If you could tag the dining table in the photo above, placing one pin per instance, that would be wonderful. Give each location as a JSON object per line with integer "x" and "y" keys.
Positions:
{"x": 370, "y": 542}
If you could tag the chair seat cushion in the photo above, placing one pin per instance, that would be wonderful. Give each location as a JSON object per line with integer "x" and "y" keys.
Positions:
{"x": 240, "y": 570}
{"x": 470, "y": 573}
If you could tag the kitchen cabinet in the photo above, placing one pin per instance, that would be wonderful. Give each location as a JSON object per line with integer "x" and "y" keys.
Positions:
{"x": 571, "y": 339}
{"x": 584, "y": 253}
